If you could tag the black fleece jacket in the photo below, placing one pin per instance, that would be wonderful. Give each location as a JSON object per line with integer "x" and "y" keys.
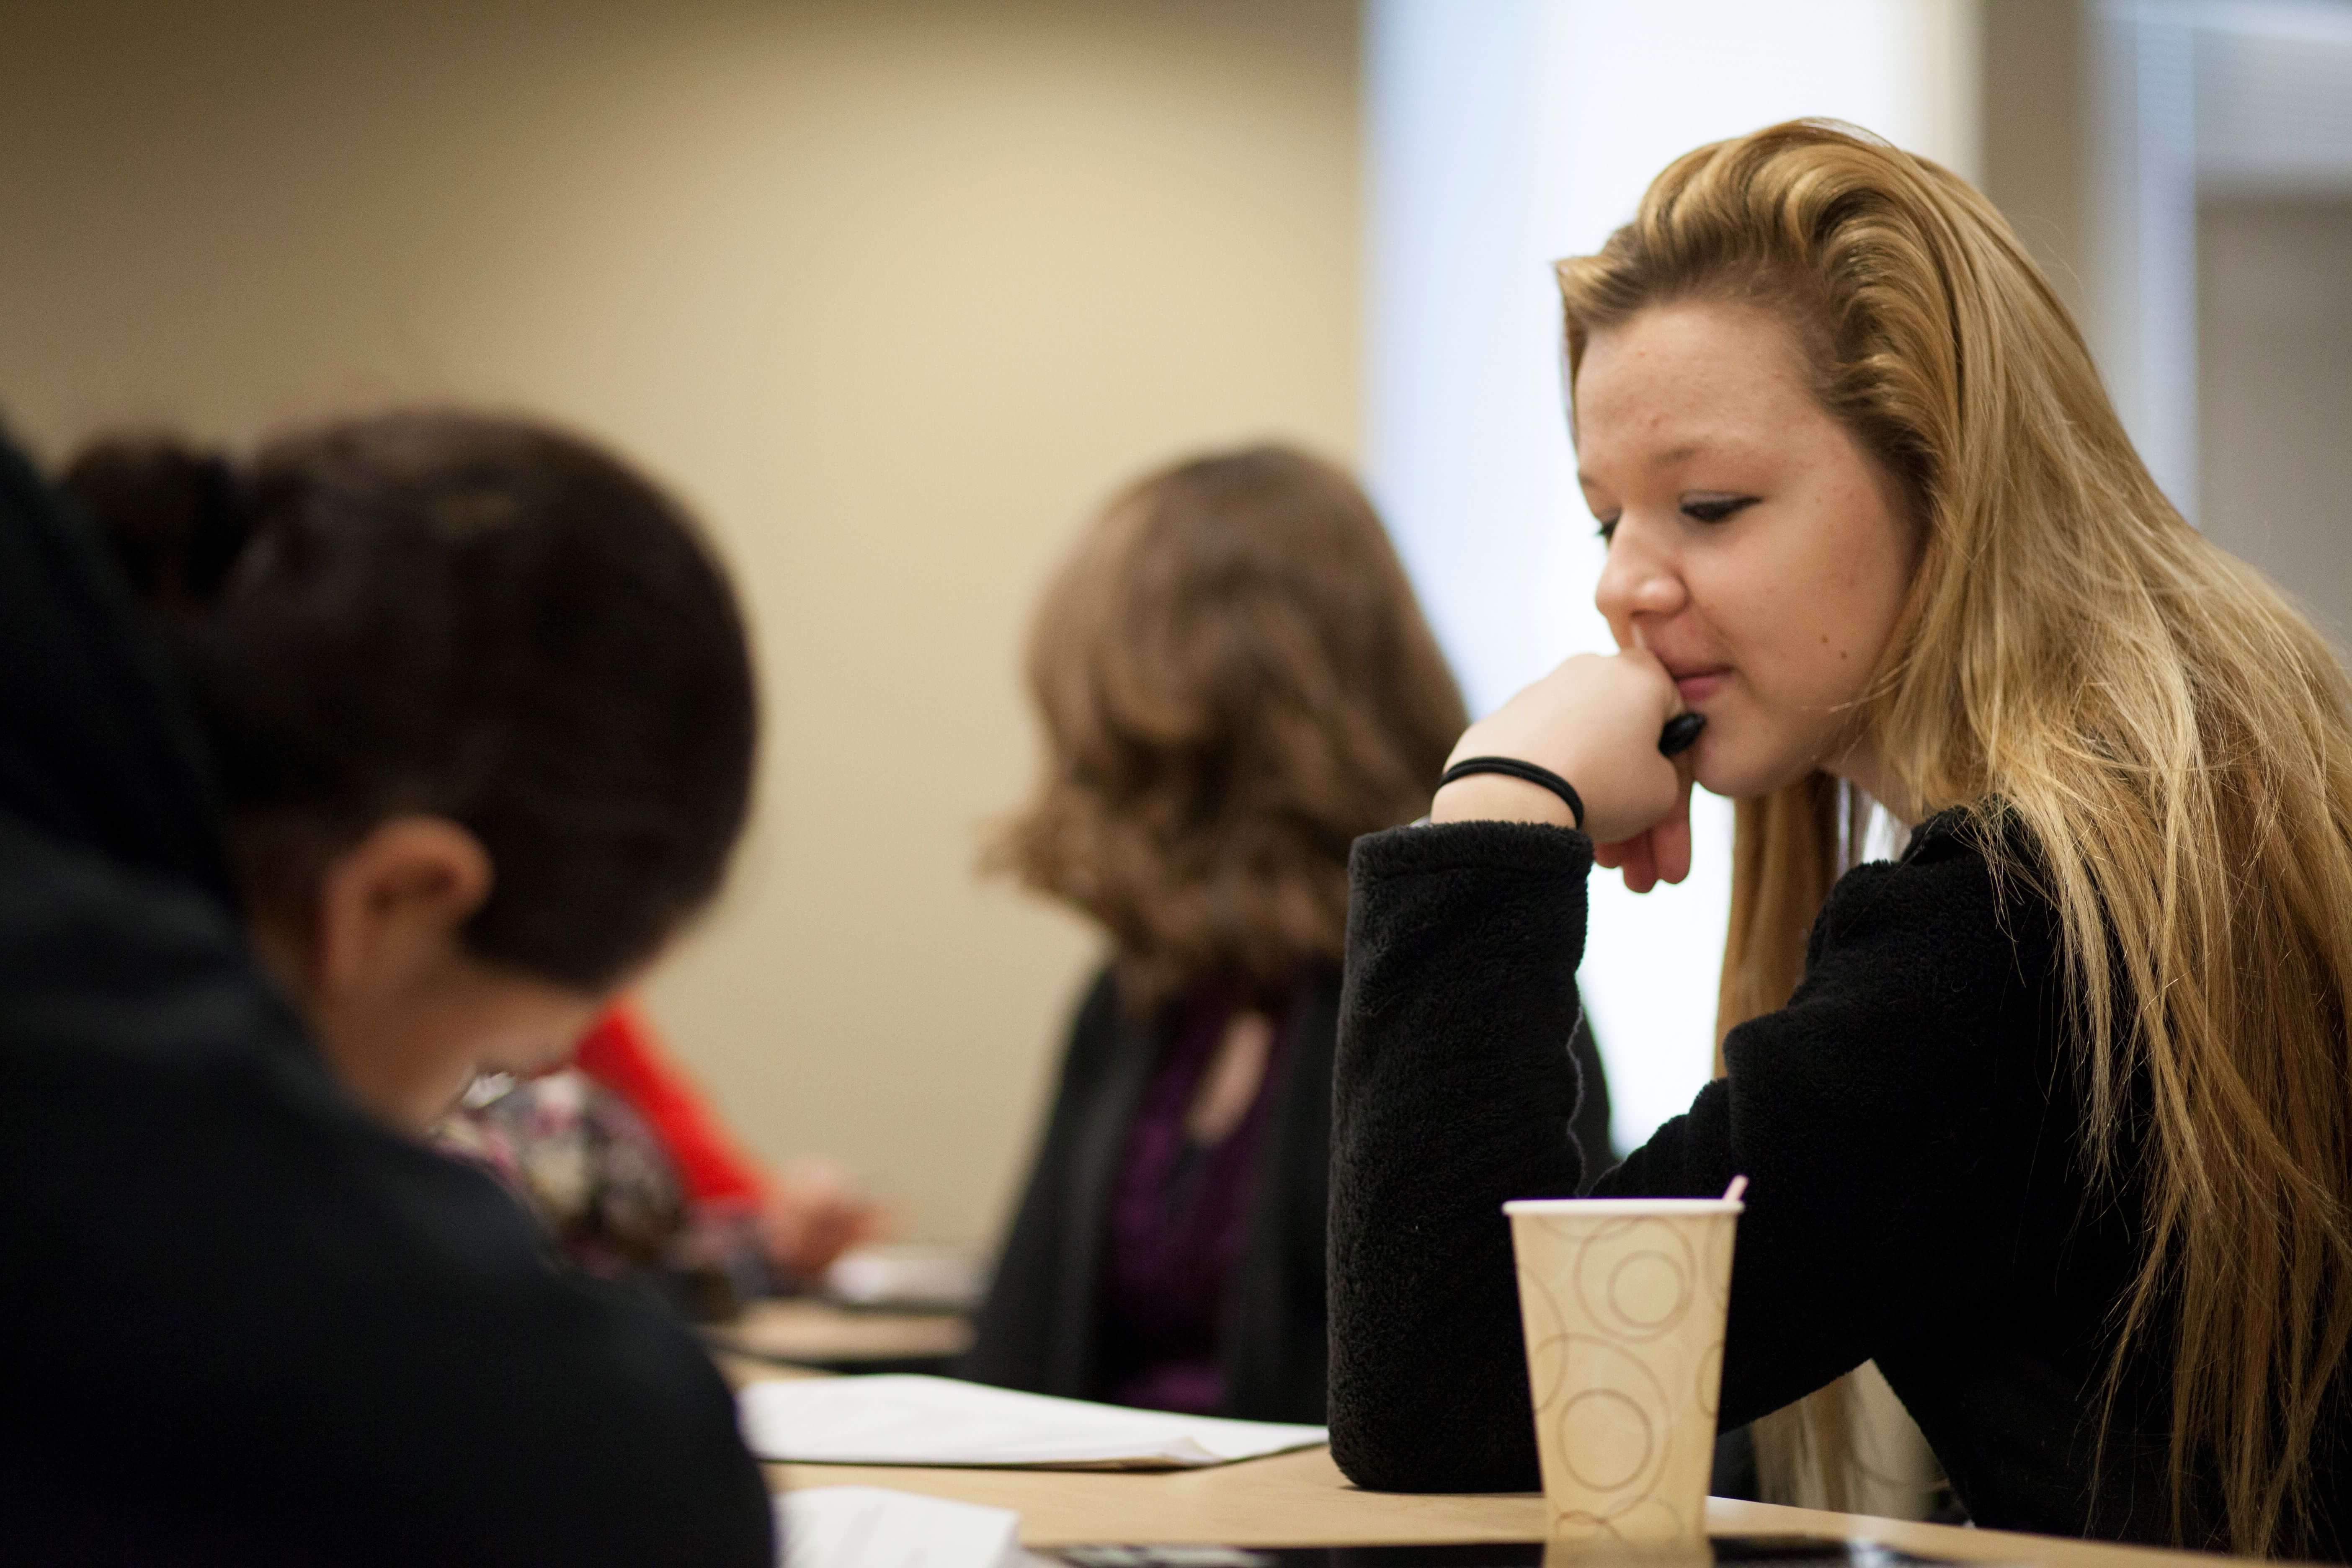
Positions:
{"x": 240, "y": 1321}
{"x": 1042, "y": 1329}
{"x": 1908, "y": 1124}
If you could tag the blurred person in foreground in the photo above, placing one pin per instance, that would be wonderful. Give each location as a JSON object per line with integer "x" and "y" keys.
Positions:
{"x": 1235, "y": 682}
{"x": 612, "y": 1149}
{"x": 459, "y": 735}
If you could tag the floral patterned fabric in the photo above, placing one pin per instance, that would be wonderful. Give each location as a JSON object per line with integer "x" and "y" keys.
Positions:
{"x": 598, "y": 1179}
{"x": 584, "y": 1162}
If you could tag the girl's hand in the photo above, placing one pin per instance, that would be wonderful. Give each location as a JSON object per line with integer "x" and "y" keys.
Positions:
{"x": 813, "y": 1216}
{"x": 1662, "y": 854}
{"x": 1594, "y": 720}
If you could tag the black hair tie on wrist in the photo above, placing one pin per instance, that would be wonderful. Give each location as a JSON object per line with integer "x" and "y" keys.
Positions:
{"x": 1514, "y": 768}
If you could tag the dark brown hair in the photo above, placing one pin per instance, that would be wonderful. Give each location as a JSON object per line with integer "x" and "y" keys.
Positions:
{"x": 471, "y": 616}
{"x": 1235, "y": 682}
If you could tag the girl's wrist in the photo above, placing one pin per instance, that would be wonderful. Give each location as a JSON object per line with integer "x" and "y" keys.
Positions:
{"x": 1498, "y": 797}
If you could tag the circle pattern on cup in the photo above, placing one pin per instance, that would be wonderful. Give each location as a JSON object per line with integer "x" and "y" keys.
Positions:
{"x": 1547, "y": 1341}
{"x": 1648, "y": 1288}
{"x": 1611, "y": 1433}
{"x": 1606, "y": 1440}
{"x": 1711, "y": 1378}
{"x": 1635, "y": 1278}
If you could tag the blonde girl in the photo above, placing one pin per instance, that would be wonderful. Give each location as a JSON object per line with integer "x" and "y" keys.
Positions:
{"x": 2051, "y": 1116}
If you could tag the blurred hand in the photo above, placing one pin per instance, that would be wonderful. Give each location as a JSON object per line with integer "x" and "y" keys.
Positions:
{"x": 813, "y": 1216}
{"x": 1594, "y": 720}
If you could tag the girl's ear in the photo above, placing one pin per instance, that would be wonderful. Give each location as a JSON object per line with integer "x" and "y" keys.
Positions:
{"x": 389, "y": 907}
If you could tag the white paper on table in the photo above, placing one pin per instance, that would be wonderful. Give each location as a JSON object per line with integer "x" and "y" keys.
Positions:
{"x": 905, "y": 1419}
{"x": 873, "y": 1527}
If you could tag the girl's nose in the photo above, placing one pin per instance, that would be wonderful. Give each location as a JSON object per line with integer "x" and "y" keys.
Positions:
{"x": 1639, "y": 583}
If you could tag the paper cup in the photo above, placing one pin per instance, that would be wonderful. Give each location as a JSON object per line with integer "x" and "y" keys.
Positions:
{"x": 1623, "y": 1300}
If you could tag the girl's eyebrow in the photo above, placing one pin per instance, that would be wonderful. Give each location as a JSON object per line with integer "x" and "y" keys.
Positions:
{"x": 1665, "y": 459}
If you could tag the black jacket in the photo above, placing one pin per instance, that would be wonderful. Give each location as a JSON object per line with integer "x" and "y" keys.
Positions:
{"x": 239, "y": 1321}
{"x": 1909, "y": 1126}
{"x": 1040, "y": 1328}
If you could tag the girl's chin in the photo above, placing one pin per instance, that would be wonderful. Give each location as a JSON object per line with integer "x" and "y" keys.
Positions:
{"x": 1721, "y": 770}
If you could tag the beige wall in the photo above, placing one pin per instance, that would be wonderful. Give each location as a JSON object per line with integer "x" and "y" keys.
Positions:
{"x": 891, "y": 292}
{"x": 2275, "y": 392}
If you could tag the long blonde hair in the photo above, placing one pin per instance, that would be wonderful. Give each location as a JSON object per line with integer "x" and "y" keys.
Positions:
{"x": 2172, "y": 736}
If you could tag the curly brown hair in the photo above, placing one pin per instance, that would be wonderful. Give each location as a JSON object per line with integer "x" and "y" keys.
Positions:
{"x": 1236, "y": 683}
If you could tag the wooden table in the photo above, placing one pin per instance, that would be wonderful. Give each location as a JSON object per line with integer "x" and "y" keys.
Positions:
{"x": 1301, "y": 1500}
{"x": 803, "y": 1333}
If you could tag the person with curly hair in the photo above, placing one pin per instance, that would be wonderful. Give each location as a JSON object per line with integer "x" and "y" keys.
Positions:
{"x": 1235, "y": 682}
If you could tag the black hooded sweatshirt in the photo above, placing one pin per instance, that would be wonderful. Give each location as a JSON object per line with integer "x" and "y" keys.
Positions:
{"x": 1911, "y": 1128}
{"x": 240, "y": 1321}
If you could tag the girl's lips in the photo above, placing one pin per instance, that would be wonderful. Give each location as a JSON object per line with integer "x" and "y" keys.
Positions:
{"x": 1700, "y": 685}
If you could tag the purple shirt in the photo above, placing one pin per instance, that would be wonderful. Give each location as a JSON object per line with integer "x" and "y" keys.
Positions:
{"x": 1179, "y": 1217}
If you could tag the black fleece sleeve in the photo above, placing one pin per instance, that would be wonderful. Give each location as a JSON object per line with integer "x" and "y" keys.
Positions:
{"x": 1453, "y": 1092}
{"x": 1856, "y": 1112}
{"x": 1863, "y": 1114}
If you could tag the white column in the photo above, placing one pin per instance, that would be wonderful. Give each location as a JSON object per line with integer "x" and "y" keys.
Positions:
{"x": 2144, "y": 205}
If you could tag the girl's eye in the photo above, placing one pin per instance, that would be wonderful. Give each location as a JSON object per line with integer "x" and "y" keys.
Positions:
{"x": 1717, "y": 508}
{"x": 1608, "y": 529}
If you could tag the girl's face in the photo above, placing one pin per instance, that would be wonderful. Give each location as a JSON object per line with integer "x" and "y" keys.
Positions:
{"x": 1755, "y": 549}
{"x": 379, "y": 965}
{"x": 410, "y": 1048}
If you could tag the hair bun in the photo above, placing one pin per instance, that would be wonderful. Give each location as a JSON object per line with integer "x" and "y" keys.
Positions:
{"x": 171, "y": 516}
